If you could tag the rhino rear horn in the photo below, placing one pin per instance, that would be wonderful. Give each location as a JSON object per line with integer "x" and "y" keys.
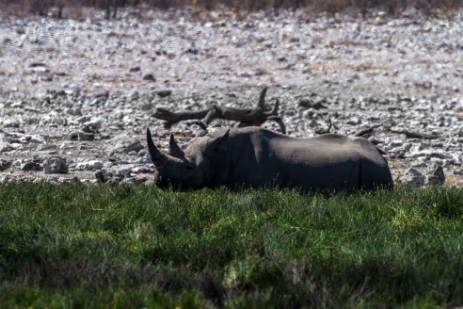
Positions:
{"x": 174, "y": 149}
{"x": 156, "y": 156}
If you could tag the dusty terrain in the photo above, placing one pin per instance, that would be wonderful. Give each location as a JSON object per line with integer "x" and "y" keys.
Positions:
{"x": 77, "y": 95}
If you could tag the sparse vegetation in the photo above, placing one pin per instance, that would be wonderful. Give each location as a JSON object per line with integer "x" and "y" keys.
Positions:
{"x": 77, "y": 246}
{"x": 55, "y": 8}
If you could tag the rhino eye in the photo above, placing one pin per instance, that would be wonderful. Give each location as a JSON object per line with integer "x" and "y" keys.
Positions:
{"x": 189, "y": 167}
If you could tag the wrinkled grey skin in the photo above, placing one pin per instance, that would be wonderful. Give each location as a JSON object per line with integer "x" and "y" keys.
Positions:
{"x": 253, "y": 157}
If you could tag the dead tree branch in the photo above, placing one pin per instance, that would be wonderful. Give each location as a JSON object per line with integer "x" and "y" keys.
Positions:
{"x": 367, "y": 132}
{"x": 245, "y": 117}
{"x": 172, "y": 118}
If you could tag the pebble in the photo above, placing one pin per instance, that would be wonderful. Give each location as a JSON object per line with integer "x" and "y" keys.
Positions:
{"x": 55, "y": 165}
{"x": 124, "y": 143}
{"x": 413, "y": 177}
{"x": 81, "y": 136}
{"x": 164, "y": 93}
{"x": 149, "y": 77}
{"x": 5, "y": 178}
{"x": 4, "y": 164}
{"x": 93, "y": 125}
{"x": 92, "y": 165}
{"x": 31, "y": 166}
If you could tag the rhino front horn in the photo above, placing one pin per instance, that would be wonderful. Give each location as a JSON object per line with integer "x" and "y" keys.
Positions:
{"x": 156, "y": 156}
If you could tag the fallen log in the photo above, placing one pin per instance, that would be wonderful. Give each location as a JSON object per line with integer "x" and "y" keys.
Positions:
{"x": 412, "y": 134}
{"x": 244, "y": 116}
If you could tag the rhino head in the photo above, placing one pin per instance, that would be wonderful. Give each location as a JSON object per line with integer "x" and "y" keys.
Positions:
{"x": 193, "y": 168}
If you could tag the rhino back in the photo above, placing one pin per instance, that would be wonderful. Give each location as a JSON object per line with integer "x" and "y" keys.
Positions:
{"x": 323, "y": 150}
{"x": 260, "y": 158}
{"x": 331, "y": 162}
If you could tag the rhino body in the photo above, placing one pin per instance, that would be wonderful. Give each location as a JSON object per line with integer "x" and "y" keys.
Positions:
{"x": 253, "y": 157}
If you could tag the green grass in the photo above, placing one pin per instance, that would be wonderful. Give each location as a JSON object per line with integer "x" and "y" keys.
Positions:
{"x": 77, "y": 246}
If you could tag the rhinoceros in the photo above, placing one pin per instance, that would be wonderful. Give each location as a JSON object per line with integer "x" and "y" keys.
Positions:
{"x": 253, "y": 157}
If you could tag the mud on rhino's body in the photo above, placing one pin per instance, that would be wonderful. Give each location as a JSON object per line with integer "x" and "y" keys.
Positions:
{"x": 253, "y": 157}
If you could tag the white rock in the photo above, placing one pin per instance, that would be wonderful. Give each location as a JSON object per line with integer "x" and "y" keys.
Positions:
{"x": 5, "y": 178}
{"x": 92, "y": 165}
{"x": 93, "y": 124}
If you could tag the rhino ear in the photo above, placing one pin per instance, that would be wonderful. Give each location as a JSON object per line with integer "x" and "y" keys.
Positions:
{"x": 156, "y": 156}
{"x": 174, "y": 149}
{"x": 200, "y": 133}
{"x": 215, "y": 143}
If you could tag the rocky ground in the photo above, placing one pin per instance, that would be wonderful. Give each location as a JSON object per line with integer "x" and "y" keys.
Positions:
{"x": 77, "y": 95}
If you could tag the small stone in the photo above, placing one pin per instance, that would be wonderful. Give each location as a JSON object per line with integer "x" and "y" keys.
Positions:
{"x": 53, "y": 119}
{"x": 92, "y": 126}
{"x": 164, "y": 93}
{"x": 55, "y": 165}
{"x": 413, "y": 177}
{"x": 135, "y": 69}
{"x": 123, "y": 170}
{"x": 5, "y": 178}
{"x": 98, "y": 100}
{"x": 104, "y": 175}
{"x": 92, "y": 165}
{"x": 192, "y": 50}
{"x": 11, "y": 123}
{"x": 37, "y": 65}
{"x": 81, "y": 136}
{"x": 126, "y": 144}
{"x": 40, "y": 69}
{"x": 149, "y": 77}
{"x": 135, "y": 147}
{"x": 39, "y": 139}
{"x": 4, "y": 164}
{"x": 31, "y": 166}
{"x": 24, "y": 139}
{"x": 146, "y": 106}
{"x": 74, "y": 111}
{"x": 142, "y": 170}
{"x": 438, "y": 177}
{"x": 5, "y": 147}
{"x": 306, "y": 103}
{"x": 142, "y": 153}
{"x": 83, "y": 119}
